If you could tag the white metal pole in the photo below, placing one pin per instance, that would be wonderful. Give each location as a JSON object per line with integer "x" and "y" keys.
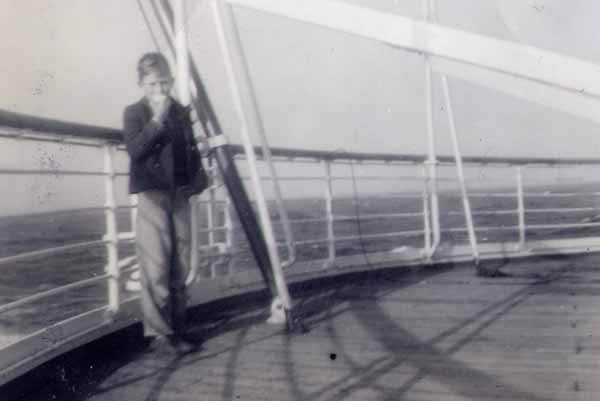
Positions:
{"x": 210, "y": 218}
{"x": 460, "y": 171}
{"x": 432, "y": 187}
{"x": 210, "y": 208}
{"x": 432, "y": 14}
{"x": 165, "y": 24}
{"x": 521, "y": 207}
{"x": 112, "y": 247}
{"x": 329, "y": 211}
{"x": 426, "y": 217}
{"x": 133, "y": 201}
{"x": 261, "y": 203}
{"x": 183, "y": 92}
{"x": 229, "y": 237}
{"x": 228, "y": 223}
{"x": 245, "y": 83}
{"x": 181, "y": 52}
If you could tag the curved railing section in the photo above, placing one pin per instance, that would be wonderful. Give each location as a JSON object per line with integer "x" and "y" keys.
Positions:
{"x": 348, "y": 211}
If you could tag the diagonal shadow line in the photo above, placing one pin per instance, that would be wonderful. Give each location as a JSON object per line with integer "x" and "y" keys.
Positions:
{"x": 295, "y": 388}
{"x": 425, "y": 370}
{"x": 229, "y": 326}
{"x": 318, "y": 304}
{"x": 373, "y": 375}
{"x": 442, "y": 358}
{"x": 298, "y": 394}
{"x": 355, "y": 367}
{"x": 231, "y": 375}
{"x": 310, "y": 306}
{"x": 330, "y": 301}
{"x": 161, "y": 380}
{"x": 315, "y": 305}
{"x": 191, "y": 361}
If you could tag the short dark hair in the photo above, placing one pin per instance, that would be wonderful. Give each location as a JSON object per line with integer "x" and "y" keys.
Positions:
{"x": 153, "y": 62}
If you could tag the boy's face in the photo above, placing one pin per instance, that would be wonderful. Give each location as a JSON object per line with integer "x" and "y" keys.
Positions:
{"x": 157, "y": 86}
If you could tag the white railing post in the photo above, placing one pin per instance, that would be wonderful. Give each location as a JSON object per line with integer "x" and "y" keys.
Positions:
{"x": 194, "y": 240}
{"x": 329, "y": 211}
{"x": 133, "y": 201}
{"x": 263, "y": 211}
{"x": 210, "y": 207}
{"x": 228, "y": 223}
{"x": 210, "y": 216}
{"x": 521, "y": 207}
{"x": 460, "y": 171}
{"x": 112, "y": 237}
{"x": 426, "y": 223}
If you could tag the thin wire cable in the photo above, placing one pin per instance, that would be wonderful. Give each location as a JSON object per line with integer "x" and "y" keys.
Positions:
{"x": 147, "y": 20}
{"x": 358, "y": 219}
{"x": 357, "y": 213}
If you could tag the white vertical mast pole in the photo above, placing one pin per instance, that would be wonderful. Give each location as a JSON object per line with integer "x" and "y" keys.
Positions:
{"x": 261, "y": 203}
{"x": 185, "y": 98}
{"x": 245, "y": 82}
{"x": 181, "y": 52}
{"x": 429, "y": 14}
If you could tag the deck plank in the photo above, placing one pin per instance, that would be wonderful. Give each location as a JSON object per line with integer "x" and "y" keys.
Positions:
{"x": 423, "y": 334}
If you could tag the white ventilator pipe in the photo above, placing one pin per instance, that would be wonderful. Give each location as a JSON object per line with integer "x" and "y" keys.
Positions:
{"x": 261, "y": 203}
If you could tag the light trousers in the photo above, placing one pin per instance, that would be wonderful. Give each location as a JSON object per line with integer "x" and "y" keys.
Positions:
{"x": 163, "y": 252}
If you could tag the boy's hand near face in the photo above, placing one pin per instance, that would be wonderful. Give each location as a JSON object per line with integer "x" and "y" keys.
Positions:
{"x": 160, "y": 108}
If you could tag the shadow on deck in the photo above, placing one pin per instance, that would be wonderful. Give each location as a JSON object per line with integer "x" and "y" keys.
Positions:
{"x": 427, "y": 333}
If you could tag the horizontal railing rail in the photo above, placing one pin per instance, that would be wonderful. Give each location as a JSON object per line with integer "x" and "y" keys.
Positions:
{"x": 56, "y": 128}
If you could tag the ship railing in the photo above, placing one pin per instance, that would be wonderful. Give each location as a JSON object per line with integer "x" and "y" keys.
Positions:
{"x": 518, "y": 227}
{"x": 220, "y": 244}
{"x": 535, "y": 75}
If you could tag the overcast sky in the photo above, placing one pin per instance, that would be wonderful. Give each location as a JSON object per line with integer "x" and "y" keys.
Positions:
{"x": 75, "y": 60}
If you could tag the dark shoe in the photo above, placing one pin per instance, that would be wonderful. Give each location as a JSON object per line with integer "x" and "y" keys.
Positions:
{"x": 181, "y": 345}
{"x": 158, "y": 344}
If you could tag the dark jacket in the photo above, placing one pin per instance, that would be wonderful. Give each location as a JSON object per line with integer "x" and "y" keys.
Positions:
{"x": 151, "y": 151}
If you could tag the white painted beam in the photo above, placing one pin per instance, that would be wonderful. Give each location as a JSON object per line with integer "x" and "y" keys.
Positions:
{"x": 508, "y": 57}
{"x": 574, "y": 103}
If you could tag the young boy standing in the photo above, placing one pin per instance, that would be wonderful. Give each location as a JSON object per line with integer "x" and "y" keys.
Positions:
{"x": 165, "y": 170}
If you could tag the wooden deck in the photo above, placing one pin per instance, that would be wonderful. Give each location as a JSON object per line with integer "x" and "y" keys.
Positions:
{"x": 436, "y": 333}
